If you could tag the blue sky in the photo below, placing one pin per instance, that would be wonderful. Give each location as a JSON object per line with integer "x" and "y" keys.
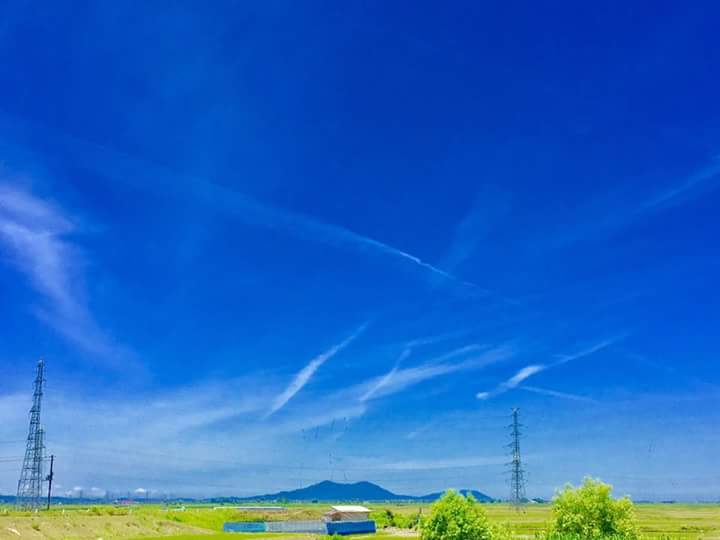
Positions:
{"x": 266, "y": 244}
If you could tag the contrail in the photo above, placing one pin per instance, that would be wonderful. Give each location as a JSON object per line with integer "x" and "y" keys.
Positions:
{"x": 512, "y": 382}
{"x": 673, "y": 195}
{"x": 125, "y": 169}
{"x": 398, "y": 379}
{"x": 260, "y": 214}
{"x": 586, "y": 352}
{"x": 306, "y": 373}
{"x": 529, "y": 371}
{"x": 407, "y": 256}
{"x": 555, "y": 393}
{"x": 385, "y": 380}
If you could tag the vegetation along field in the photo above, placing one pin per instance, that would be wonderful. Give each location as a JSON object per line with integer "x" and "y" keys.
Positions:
{"x": 655, "y": 521}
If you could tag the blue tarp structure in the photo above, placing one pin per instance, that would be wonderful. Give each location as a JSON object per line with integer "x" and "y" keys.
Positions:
{"x": 245, "y": 526}
{"x": 293, "y": 526}
{"x": 313, "y": 527}
{"x": 350, "y": 527}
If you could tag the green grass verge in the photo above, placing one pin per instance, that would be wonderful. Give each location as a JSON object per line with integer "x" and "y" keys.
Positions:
{"x": 655, "y": 521}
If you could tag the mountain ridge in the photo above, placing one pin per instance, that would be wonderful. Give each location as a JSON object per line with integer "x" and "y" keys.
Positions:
{"x": 328, "y": 490}
{"x": 325, "y": 491}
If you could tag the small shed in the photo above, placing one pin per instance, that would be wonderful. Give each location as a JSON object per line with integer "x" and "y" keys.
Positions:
{"x": 347, "y": 513}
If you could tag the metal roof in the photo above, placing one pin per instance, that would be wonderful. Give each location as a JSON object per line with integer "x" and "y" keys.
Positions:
{"x": 350, "y": 508}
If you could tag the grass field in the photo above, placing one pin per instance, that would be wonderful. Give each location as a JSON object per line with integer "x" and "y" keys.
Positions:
{"x": 676, "y": 521}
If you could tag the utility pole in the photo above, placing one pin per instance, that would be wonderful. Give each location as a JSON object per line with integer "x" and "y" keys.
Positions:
{"x": 517, "y": 474}
{"x": 29, "y": 490}
{"x": 50, "y": 479}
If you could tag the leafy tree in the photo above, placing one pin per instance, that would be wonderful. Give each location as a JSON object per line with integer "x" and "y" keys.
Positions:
{"x": 455, "y": 517}
{"x": 590, "y": 512}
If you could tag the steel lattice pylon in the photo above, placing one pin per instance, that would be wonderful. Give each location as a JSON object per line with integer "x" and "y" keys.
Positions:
{"x": 30, "y": 485}
{"x": 517, "y": 473}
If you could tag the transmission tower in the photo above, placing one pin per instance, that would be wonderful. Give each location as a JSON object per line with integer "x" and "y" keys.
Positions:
{"x": 29, "y": 492}
{"x": 517, "y": 474}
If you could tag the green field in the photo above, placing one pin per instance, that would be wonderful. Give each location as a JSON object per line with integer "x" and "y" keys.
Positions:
{"x": 676, "y": 521}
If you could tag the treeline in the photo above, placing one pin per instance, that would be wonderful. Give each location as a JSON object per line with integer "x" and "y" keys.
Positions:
{"x": 586, "y": 512}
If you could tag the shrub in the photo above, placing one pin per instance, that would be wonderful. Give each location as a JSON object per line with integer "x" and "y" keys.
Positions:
{"x": 383, "y": 518}
{"x": 590, "y": 512}
{"x": 387, "y": 518}
{"x": 413, "y": 521}
{"x": 455, "y": 517}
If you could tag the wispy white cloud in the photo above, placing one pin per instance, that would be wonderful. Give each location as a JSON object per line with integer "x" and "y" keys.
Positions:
{"x": 618, "y": 210}
{"x": 34, "y": 233}
{"x": 437, "y": 464}
{"x": 113, "y": 165}
{"x": 688, "y": 187}
{"x": 592, "y": 349}
{"x": 306, "y": 373}
{"x": 431, "y": 340}
{"x": 489, "y": 205}
{"x": 117, "y": 166}
{"x": 512, "y": 382}
{"x": 414, "y": 434}
{"x": 529, "y": 371}
{"x": 177, "y": 441}
{"x": 387, "y": 378}
{"x": 260, "y": 214}
{"x": 398, "y": 380}
{"x": 555, "y": 393}
{"x": 352, "y": 402}
{"x": 145, "y": 424}
{"x": 523, "y": 374}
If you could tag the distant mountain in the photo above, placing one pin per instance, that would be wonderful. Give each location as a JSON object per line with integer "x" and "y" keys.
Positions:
{"x": 478, "y": 495}
{"x": 326, "y": 491}
{"x": 358, "y": 491}
{"x": 333, "y": 491}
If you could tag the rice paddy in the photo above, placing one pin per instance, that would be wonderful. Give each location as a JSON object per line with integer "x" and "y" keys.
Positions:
{"x": 656, "y": 521}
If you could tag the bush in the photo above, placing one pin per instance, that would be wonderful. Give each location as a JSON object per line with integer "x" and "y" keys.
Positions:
{"x": 383, "y": 518}
{"x": 455, "y": 517}
{"x": 387, "y": 518}
{"x": 413, "y": 521}
{"x": 590, "y": 512}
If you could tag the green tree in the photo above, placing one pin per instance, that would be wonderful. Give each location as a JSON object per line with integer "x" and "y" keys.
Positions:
{"x": 455, "y": 517}
{"x": 590, "y": 512}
